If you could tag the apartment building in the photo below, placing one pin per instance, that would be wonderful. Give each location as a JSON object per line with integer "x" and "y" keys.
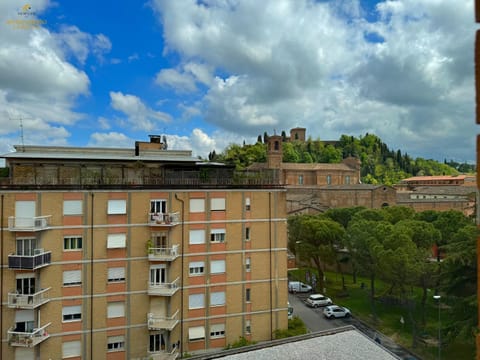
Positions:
{"x": 137, "y": 253}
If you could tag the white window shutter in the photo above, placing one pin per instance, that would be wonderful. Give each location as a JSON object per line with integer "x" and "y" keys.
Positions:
{"x": 115, "y": 309}
{"x": 71, "y": 277}
{"x": 116, "y": 273}
{"x": 197, "y": 205}
{"x": 72, "y": 207}
{"x": 116, "y": 241}
{"x": 71, "y": 349}
{"x": 217, "y": 267}
{"x": 117, "y": 207}
{"x": 197, "y": 237}
{"x": 196, "y": 301}
{"x": 217, "y": 298}
{"x": 196, "y": 333}
{"x": 217, "y": 204}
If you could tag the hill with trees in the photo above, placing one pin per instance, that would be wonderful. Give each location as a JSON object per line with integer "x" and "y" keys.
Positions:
{"x": 380, "y": 164}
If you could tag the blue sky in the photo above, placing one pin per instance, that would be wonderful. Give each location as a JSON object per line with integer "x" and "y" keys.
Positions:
{"x": 214, "y": 72}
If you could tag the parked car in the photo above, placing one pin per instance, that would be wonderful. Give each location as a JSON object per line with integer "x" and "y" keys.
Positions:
{"x": 290, "y": 311}
{"x": 298, "y": 287}
{"x": 316, "y": 300}
{"x": 335, "y": 311}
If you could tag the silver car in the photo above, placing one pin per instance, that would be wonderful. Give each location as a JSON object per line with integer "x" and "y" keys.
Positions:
{"x": 316, "y": 300}
{"x": 335, "y": 311}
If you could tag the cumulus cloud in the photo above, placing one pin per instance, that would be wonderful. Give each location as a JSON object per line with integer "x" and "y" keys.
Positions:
{"x": 186, "y": 78}
{"x": 138, "y": 115}
{"x": 402, "y": 70}
{"x": 110, "y": 139}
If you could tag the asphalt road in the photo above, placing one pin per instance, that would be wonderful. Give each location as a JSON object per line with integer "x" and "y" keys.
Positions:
{"x": 315, "y": 321}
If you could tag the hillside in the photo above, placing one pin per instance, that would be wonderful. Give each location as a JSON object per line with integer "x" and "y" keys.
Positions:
{"x": 380, "y": 165}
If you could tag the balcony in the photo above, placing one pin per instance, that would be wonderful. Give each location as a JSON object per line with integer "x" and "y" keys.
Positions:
{"x": 163, "y": 289}
{"x": 36, "y": 223}
{"x": 158, "y": 322}
{"x": 27, "y": 339}
{"x": 40, "y": 259}
{"x": 30, "y": 301}
{"x": 163, "y": 254}
{"x": 164, "y": 355}
{"x": 167, "y": 219}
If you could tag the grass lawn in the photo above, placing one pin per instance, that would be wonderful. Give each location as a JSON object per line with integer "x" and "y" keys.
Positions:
{"x": 389, "y": 315}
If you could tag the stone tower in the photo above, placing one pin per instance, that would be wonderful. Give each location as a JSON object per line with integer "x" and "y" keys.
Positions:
{"x": 298, "y": 134}
{"x": 274, "y": 152}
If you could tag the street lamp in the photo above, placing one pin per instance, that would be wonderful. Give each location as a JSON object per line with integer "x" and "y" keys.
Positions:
{"x": 437, "y": 298}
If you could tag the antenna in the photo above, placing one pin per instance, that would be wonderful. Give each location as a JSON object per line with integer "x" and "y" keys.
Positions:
{"x": 22, "y": 139}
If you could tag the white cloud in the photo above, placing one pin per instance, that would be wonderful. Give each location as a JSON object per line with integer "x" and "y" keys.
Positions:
{"x": 111, "y": 139}
{"x": 182, "y": 82}
{"x": 139, "y": 116}
{"x": 286, "y": 63}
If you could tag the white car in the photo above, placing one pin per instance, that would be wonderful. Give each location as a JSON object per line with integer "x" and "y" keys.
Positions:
{"x": 335, "y": 311}
{"x": 316, "y": 300}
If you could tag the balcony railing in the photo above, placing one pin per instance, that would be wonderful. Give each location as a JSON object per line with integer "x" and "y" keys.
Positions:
{"x": 27, "y": 339}
{"x": 30, "y": 301}
{"x": 30, "y": 262}
{"x": 164, "y": 355}
{"x": 163, "y": 289}
{"x": 163, "y": 254}
{"x": 167, "y": 219}
{"x": 36, "y": 223}
{"x": 159, "y": 322}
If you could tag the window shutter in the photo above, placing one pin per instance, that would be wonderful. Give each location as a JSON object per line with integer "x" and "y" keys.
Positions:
{"x": 72, "y": 277}
{"x": 197, "y": 205}
{"x": 71, "y": 349}
{"x": 116, "y": 273}
{"x": 70, "y": 310}
{"x": 216, "y": 329}
{"x": 117, "y": 207}
{"x": 217, "y": 204}
{"x": 217, "y": 266}
{"x": 197, "y": 237}
{"x": 72, "y": 207}
{"x": 196, "y": 301}
{"x": 116, "y": 241}
{"x": 196, "y": 333}
{"x": 217, "y": 298}
{"x": 115, "y": 309}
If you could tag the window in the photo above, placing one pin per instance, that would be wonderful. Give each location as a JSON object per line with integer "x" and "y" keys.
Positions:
{"x": 300, "y": 179}
{"x": 248, "y": 328}
{"x": 156, "y": 343}
{"x": 217, "y": 298}
{"x": 72, "y": 277}
{"x": 217, "y": 235}
{"x": 217, "y": 204}
{"x": 72, "y": 243}
{"x": 116, "y": 343}
{"x": 217, "y": 267}
{"x": 71, "y": 349}
{"x": 329, "y": 179}
{"x": 197, "y": 237}
{"x": 116, "y": 274}
{"x": 72, "y": 313}
{"x": 247, "y": 295}
{"x": 117, "y": 207}
{"x": 116, "y": 241}
{"x": 347, "y": 179}
{"x": 247, "y": 264}
{"x": 158, "y": 275}
{"x": 158, "y": 206}
{"x": 217, "y": 330}
{"x": 25, "y": 283}
{"x": 115, "y": 309}
{"x": 196, "y": 333}
{"x": 26, "y": 247}
{"x": 72, "y": 207}
{"x": 196, "y": 301}
{"x": 247, "y": 204}
{"x": 196, "y": 268}
{"x": 247, "y": 234}
{"x": 197, "y": 205}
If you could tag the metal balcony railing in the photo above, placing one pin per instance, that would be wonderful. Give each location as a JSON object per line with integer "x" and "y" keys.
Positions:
{"x": 163, "y": 289}
{"x": 27, "y": 339}
{"x": 159, "y": 322}
{"x": 30, "y": 262}
{"x": 37, "y": 223}
{"x": 28, "y": 301}
{"x": 163, "y": 254}
{"x": 167, "y": 219}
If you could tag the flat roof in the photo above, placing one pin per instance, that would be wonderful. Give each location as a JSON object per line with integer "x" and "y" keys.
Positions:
{"x": 346, "y": 343}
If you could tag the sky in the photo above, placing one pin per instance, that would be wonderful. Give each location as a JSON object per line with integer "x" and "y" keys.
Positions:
{"x": 209, "y": 73}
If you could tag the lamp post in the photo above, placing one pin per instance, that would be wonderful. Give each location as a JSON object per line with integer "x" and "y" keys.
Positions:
{"x": 437, "y": 298}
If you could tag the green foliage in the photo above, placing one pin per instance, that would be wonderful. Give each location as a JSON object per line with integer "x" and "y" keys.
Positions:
{"x": 242, "y": 341}
{"x": 295, "y": 327}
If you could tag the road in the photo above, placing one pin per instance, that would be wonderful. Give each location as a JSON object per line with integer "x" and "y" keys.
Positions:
{"x": 315, "y": 321}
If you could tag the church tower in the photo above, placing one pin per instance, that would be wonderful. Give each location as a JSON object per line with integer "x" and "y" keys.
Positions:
{"x": 274, "y": 152}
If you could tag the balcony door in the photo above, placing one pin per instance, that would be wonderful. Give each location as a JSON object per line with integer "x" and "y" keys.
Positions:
{"x": 24, "y": 214}
{"x": 158, "y": 207}
{"x": 26, "y": 286}
{"x": 158, "y": 275}
{"x": 160, "y": 240}
{"x": 157, "y": 342}
{"x": 26, "y": 246}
